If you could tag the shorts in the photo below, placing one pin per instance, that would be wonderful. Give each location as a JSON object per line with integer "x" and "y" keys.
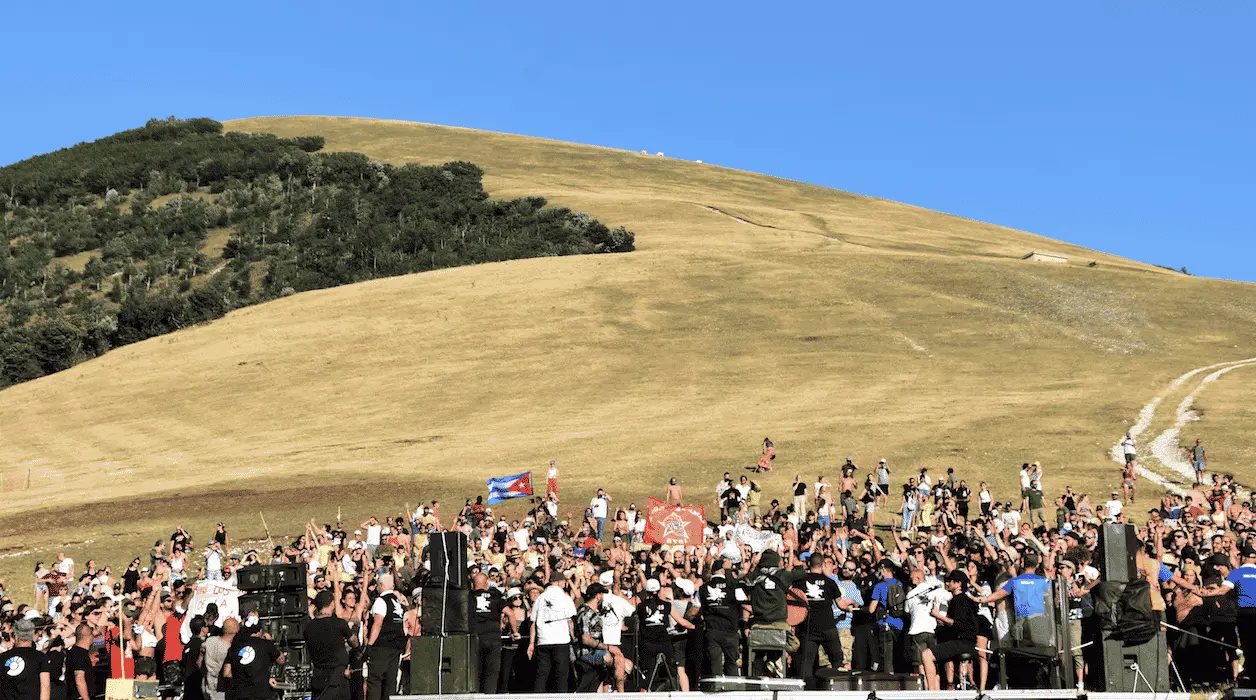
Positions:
{"x": 1024, "y": 493}
{"x": 1199, "y": 466}
{"x": 920, "y": 643}
{"x": 680, "y": 650}
{"x": 1129, "y": 458}
{"x": 1129, "y": 484}
{"x": 595, "y": 657}
{"x": 146, "y": 666}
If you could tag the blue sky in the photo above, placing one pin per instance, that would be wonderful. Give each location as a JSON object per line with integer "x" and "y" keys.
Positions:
{"x": 1125, "y": 127}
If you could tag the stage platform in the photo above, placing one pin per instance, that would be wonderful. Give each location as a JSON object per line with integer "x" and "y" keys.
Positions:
{"x": 825, "y": 695}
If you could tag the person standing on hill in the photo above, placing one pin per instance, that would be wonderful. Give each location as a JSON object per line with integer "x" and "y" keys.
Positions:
{"x": 1128, "y": 479}
{"x": 1024, "y": 485}
{"x": 1199, "y": 460}
{"x": 674, "y": 494}
{"x": 768, "y": 456}
{"x": 883, "y": 482}
{"x": 551, "y": 480}
{"x": 1129, "y": 447}
{"x": 601, "y": 505}
{"x": 800, "y": 496}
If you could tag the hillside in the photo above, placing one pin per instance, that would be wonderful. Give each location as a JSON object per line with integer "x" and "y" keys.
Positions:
{"x": 836, "y": 324}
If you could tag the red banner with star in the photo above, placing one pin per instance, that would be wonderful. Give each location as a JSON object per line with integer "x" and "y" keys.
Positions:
{"x": 675, "y": 525}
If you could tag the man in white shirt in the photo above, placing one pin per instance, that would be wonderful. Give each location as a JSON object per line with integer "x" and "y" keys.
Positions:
{"x": 1113, "y": 507}
{"x": 65, "y": 565}
{"x": 601, "y": 505}
{"x": 213, "y": 561}
{"x": 553, "y": 624}
{"x": 1024, "y": 484}
{"x": 1130, "y": 448}
{"x": 926, "y": 594}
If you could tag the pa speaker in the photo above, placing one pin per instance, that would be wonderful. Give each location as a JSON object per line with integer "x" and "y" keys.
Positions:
{"x": 287, "y": 577}
{"x": 251, "y": 578}
{"x": 441, "y": 665}
{"x": 448, "y": 555}
{"x": 1117, "y": 553}
{"x": 445, "y": 611}
{"x": 1136, "y": 669}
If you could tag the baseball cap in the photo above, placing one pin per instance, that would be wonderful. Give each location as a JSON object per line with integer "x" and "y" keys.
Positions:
{"x": 652, "y": 586}
{"x": 882, "y": 461}
{"x": 685, "y": 585}
{"x": 958, "y": 577}
{"x": 593, "y": 591}
{"x": 606, "y": 578}
{"x": 557, "y": 576}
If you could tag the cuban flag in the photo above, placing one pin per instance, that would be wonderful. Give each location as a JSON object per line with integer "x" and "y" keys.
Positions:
{"x": 504, "y": 488}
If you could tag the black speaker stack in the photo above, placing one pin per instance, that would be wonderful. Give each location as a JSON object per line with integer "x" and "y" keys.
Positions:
{"x": 1135, "y": 668}
{"x": 278, "y": 594}
{"x": 446, "y": 658}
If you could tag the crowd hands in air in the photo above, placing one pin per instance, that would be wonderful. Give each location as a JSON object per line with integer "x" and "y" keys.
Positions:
{"x": 925, "y": 578}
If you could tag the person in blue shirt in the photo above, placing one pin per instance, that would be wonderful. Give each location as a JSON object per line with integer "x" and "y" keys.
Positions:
{"x": 1243, "y": 581}
{"x": 1030, "y": 593}
{"x": 850, "y": 590}
{"x": 891, "y": 627}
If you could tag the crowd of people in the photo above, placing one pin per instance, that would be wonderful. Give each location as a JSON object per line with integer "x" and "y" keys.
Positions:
{"x": 854, "y": 574}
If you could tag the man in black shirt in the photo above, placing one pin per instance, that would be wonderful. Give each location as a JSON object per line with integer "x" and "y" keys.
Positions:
{"x": 957, "y": 630}
{"x": 486, "y": 623}
{"x": 721, "y": 613}
{"x": 652, "y": 620}
{"x": 191, "y": 670}
{"x": 386, "y": 642}
{"x": 23, "y": 674}
{"x": 80, "y": 672}
{"x": 327, "y": 639}
{"x": 248, "y": 666}
{"x": 822, "y": 594}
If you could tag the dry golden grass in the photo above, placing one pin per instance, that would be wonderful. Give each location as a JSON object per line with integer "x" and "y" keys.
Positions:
{"x": 835, "y": 324}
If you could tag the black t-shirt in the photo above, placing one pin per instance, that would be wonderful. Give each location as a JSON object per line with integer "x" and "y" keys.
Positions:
{"x": 962, "y": 493}
{"x": 800, "y": 489}
{"x": 653, "y": 614}
{"x": 54, "y": 664}
{"x": 130, "y": 582}
{"x": 963, "y": 611}
{"x": 821, "y": 593}
{"x": 732, "y": 499}
{"x": 79, "y": 659}
{"x": 486, "y": 611}
{"x": 19, "y": 673}
{"x": 250, "y": 661}
{"x": 720, "y": 608}
{"x": 191, "y": 652}
{"x": 327, "y": 640}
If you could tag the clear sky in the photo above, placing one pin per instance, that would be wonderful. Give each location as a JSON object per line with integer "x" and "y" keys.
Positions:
{"x": 1125, "y": 127}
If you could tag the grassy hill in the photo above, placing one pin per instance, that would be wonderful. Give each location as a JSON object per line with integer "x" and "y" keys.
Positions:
{"x": 834, "y": 323}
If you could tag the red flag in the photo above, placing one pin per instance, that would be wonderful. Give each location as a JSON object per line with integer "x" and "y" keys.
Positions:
{"x": 676, "y": 525}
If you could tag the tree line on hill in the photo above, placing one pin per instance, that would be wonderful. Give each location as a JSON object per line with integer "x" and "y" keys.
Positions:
{"x": 141, "y": 204}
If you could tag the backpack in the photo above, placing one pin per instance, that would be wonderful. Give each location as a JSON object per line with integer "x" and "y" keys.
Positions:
{"x": 1135, "y": 618}
{"x": 895, "y": 600}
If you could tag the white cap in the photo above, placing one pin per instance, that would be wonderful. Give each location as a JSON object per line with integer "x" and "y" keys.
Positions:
{"x": 652, "y": 586}
{"x": 607, "y": 578}
{"x": 685, "y": 585}
{"x": 882, "y": 460}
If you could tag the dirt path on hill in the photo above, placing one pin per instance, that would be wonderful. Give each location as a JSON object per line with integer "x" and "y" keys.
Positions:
{"x": 1174, "y": 473}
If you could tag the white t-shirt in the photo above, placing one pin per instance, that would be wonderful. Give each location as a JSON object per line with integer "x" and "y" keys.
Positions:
{"x": 65, "y": 566}
{"x": 213, "y": 560}
{"x": 1112, "y": 508}
{"x": 553, "y": 610}
{"x": 1024, "y": 478}
{"x": 984, "y": 496}
{"x": 920, "y": 606}
{"x": 1129, "y": 446}
{"x": 1012, "y": 519}
{"x": 744, "y": 490}
{"x": 372, "y": 535}
{"x": 614, "y": 611}
{"x": 600, "y": 506}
